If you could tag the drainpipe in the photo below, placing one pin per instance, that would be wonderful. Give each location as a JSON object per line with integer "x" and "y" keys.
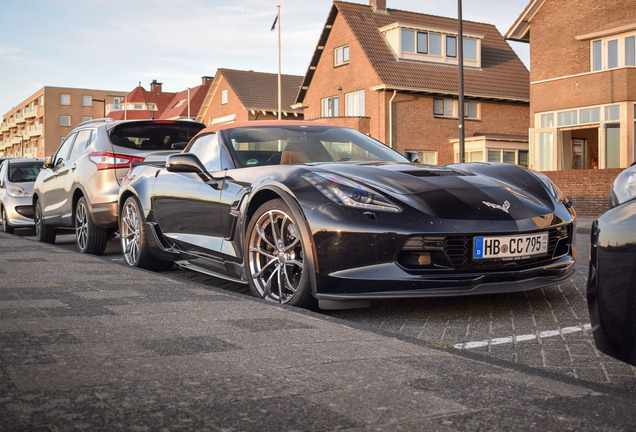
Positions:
{"x": 391, "y": 119}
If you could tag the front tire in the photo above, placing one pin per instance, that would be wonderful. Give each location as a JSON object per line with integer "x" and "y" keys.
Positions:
{"x": 5, "y": 222}
{"x": 278, "y": 267}
{"x": 134, "y": 238}
{"x": 43, "y": 232}
{"x": 90, "y": 238}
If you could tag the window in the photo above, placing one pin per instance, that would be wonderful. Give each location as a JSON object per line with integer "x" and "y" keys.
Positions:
{"x": 435, "y": 44}
{"x": 567, "y": 118}
{"x": 470, "y": 49}
{"x": 139, "y": 107}
{"x": 428, "y": 157}
{"x": 612, "y": 146}
{"x": 341, "y": 55}
{"x": 408, "y": 40}
{"x": 451, "y": 46}
{"x": 64, "y": 149}
{"x": 545, "y": 150}
{"x": 224, "y": 97}
{"x": 612, "y": 54}
{"x": 207, "y": 149}
{"x": 85, "y": 119}
{"x": 81, "y": 142}
{"x": 547, "y": 120}
{"x": 612, "y": 113}
{"x": 505, "y": 156}
{"x": 65, "y": 120}
{"x": 630, "y": 51}
{"x": 422, "y": 42}
{"x": 590, "y": 115}
{"x": 117, "y": 103}
{"x": 449, "y": 108}
{"x": 330, "y": 107}
{"x": 597, "y": 55}
{"x": 355, "y": 104}
{"x": 65, "y": 99}
{"x": 87, "y": 100}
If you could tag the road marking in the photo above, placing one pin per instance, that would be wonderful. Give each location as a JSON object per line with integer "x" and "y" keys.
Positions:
{"x": 521, "y": 338}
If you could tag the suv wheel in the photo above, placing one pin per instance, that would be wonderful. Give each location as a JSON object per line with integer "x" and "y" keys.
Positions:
{"x": 5, "y": 222}
{"x": 43, "y": 232}
{"x": 90, "y": 238}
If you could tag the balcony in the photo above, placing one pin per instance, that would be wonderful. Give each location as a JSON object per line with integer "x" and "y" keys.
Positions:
{"x": 19, "y": 118}
{"x": 34, "y": 131}
{"x": 30, "y": 112}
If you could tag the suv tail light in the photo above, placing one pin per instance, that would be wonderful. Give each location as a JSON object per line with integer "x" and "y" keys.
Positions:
{"x": 105, "y": 161}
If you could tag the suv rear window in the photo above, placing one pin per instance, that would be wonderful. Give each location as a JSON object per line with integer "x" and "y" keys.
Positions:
{"x": 154, "y": 135}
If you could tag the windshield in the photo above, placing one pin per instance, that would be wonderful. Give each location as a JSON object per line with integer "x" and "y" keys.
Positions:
{"x": 154, "y": 135}
{"x": 273, "y": 145}
{"x": 24, "y": 171}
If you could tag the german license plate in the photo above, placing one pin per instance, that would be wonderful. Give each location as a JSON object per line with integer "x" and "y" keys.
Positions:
{"x": 511, "y": 247}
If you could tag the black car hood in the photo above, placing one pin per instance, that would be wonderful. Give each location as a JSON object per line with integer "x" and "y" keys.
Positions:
{"x": 451, "y": 193}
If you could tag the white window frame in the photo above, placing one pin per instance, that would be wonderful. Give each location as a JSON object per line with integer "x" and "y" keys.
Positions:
{"x": 601, "y": 47}
{"x": 65, "y": 117}
{"x": 355, "y": 105}
{"x": 341, "y": 56}
{"x": 86, "y": 98}
{"x": 223, "y": 97}
{"x": 453, "y": 104}
{"x": 65, "y": 99}
{"x": 328, "y": 108}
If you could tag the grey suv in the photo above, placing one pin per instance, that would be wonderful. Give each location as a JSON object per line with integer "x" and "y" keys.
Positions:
{"x": 79, "y": 185}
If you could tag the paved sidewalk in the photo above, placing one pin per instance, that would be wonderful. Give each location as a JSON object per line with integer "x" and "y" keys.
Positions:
{"x": 87, "y": 344}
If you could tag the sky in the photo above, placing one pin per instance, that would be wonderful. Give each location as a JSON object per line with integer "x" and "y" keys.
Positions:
{"x": 116, "y": 44}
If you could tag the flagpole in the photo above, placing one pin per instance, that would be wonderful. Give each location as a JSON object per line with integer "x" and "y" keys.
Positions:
{"x": 279, "y": 85}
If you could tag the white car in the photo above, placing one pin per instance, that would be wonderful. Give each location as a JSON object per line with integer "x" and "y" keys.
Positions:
{"x": 17, "y": 177}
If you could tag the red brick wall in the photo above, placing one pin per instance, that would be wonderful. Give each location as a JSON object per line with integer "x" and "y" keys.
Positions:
{"x": 587, "y": 189}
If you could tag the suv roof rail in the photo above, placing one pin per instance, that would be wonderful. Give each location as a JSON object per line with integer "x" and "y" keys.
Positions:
{"x": 99, "y": 120}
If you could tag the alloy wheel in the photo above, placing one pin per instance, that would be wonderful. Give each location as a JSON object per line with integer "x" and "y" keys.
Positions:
{"x": 130, "y": 233}
{"x": 276, "y": 256}
{"x": 81, "y": 226}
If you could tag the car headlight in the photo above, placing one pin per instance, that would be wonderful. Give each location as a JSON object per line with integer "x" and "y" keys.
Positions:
{"x": 551, "y": 187}
{"x": 624, "y": 188}
{"x": 17, "y": 191}
{"x": 350, "y": 193}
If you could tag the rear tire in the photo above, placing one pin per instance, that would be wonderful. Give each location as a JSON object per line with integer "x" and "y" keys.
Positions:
{"x": 277, "y": 265}
{"x": 90, "y": 238}
{"x": 5, "y": 222}
{"x": 43, "y": 232}
{"x": 134, "y": 238}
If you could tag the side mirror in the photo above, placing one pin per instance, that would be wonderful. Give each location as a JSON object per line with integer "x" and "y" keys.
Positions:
{"x": 188, "y": 163}
{"x": 48, "y": 162}
{"x": 412, "y": 156}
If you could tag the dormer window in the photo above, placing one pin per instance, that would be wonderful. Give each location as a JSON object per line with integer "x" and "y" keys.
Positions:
{"x": 439, "y": 46}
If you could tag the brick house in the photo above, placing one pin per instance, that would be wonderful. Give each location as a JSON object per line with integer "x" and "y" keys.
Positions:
{"x": 582, "y": 96}
{"x": 236, "y": 95}
{"x": 155, "y": 103}
{"x": 394, "y": 75}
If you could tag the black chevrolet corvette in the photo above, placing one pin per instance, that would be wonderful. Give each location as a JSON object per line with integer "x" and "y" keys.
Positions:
{"x": 312, "y": 214}
{"x": 611, "y": 285}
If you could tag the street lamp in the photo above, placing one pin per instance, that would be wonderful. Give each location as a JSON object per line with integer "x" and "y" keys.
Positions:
{"x": 21, "y": 143}
{"x": 103, "y": 101}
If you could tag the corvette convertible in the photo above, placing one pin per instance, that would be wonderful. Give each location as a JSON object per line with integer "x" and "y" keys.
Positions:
{"x": 312, "y": 215}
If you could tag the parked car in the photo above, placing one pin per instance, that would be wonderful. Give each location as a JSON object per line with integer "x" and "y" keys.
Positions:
{"x": 79, "y": 185}
{"x": 611, "y": 284}
{"x": 17, "y": 177}
{"x": 308, "y": 213}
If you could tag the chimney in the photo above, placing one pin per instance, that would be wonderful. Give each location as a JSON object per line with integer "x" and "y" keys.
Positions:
{"x": 378, "y": 5}
{"x": 155, "y": 86}
{"x": 206, "y": 80}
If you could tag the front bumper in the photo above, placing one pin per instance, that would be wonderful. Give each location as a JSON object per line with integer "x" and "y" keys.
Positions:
{"x": 18, "y": 211}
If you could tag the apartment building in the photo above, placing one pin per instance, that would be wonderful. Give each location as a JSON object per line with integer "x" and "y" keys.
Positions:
{"x": 37, "y": 125}
{"x": 394, "y": 75}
